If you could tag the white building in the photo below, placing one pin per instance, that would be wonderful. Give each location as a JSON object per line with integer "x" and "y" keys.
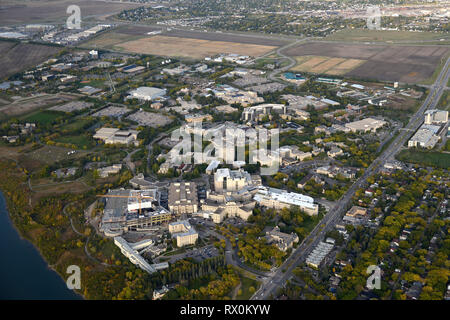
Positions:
{"x": 147, "y": 93}
{"x": 436, "y": 116}
{"x": 115, "y": 135}
{"x": 279, "y": 199}
{"x": 132, "y": 254}
{"x": 316, "y": 257}
{"x": 365, "y": 125}
{"x": 425, "y": 137}
{"x": 226, "y": 180}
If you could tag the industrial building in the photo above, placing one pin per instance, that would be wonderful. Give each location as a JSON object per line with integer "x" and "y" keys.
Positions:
{"x": 426, "y": 137}
{"x": 365, "y": 125}
{"x": 115, "y": 135}
{"x": 279, "y": 199}
{"x": 147, "y": 93}
{"x": 183, "y": 198}
{"x": 183, "y": 232}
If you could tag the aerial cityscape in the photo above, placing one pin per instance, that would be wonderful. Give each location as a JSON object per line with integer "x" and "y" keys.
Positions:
{"x": 232, "y": 150}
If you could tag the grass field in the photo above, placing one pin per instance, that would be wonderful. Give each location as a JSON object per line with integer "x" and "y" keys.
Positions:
{"x": 427, "y": 158}
{"x": 44, "y": 117}
{"x": 246, "y": 284}
{"x": 384, "y": 35}
{"x": 444, "y": 102}
{"x": 81, "y": 141}
{"x": 52, "y": 154}
{"x": 28, "y": 105}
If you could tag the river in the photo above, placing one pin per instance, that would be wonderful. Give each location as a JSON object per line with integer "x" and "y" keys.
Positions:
{"x": 24, "y": 274}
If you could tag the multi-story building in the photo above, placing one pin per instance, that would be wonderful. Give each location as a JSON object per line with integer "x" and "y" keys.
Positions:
{"x": 226, "y": 180}
{"x": 436, "y": 116}
{"x": 279, "y": 199}
{"x": 183, "y": 232}
{"x": 183, "y": 197}
{"x": 283, "y": 241}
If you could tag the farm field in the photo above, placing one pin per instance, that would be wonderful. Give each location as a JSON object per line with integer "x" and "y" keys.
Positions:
{"x": 364, "y": 35}
{"x": 331, "y": 66}
{"x": 15, "y": 57}
{"x": 409, "y": 64}
{"x": 16, "y": 12}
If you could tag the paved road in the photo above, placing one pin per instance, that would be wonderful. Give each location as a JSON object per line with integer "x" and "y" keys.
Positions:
{"x": 279, "y": 277}
{"x": 273, "y": 75}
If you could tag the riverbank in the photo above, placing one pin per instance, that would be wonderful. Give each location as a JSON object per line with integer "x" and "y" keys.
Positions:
{"x": 25, "y": 274}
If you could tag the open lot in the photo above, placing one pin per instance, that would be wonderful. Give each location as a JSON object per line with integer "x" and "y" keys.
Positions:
{"x": 410, "y": 64}
{"x": 16, "y": 57}
{"x": 181, "y": 43}
{"x": 19, "y": 11}
{"x": 150, "y": 119}
{"x": 385, "y": 35}
{"x": 27, "y": 105}
{"x": 190, "y": 48}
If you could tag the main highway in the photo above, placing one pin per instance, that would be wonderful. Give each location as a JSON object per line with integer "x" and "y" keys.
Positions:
{"x": 277, "y": 278}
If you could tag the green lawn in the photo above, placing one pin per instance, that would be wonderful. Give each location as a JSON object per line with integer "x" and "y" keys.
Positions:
{"x": 246, "y": 283}
{"x": 428, "y": 158}
{"x": 44, "y": 117}
{"x": 76, "y": 125}
{"x": 81, "y": 141}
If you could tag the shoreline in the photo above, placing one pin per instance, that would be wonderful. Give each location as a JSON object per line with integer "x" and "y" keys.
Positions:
{"x": 23, "y": 238}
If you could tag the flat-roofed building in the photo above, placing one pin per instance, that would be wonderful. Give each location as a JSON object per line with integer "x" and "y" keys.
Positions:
{"x": 279, "y": 199}
{"x": 133, "y": 255}
{"x": 425, "y": 137}
{"x": 115, "y": 135}
{"x": 147, "y": 93}
{"x": 183, "y": 232}
{"x": 226, "y": 180}
{"x": 365, "y": 125}
{"x": 183, "y": 197}
{"x": 436, "y": 116}
{"x": 356, "y": 211}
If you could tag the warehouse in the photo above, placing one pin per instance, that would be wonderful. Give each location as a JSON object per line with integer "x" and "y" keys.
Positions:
{"x": 147, "y": 93}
